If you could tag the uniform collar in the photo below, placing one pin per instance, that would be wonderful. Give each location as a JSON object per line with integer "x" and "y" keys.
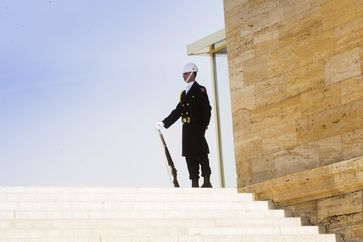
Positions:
{"x": 189, "y": 85}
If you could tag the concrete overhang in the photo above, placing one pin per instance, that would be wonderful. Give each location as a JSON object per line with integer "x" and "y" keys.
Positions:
{"x": 203, "y": 46}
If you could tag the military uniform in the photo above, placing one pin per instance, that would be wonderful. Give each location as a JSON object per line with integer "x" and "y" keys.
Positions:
{"x": 195, "y": 112}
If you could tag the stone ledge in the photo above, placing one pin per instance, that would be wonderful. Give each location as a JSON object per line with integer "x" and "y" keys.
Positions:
{"x": 322, "y": 182}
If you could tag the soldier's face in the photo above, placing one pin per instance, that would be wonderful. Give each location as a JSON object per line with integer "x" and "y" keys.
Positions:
{"x": 186, "y": 76}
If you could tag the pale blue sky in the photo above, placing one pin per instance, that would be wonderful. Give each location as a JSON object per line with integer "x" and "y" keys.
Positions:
{"x": 83, "y": 82}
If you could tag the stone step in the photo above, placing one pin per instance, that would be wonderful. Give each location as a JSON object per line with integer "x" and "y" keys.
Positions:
{"x": 91, "y": 214}
{"x": 214, "y": 238}
{"x": 61, "y": 195}
{"x": 134, "y": 223}
{"x": 123, "y": 197}
{"x": 116, "y": 190}
{"x": 142, "y": 190}
{"x": 146, "y": 231}
{"x": 143, "y": 214}
{"x": 120, "y": 205}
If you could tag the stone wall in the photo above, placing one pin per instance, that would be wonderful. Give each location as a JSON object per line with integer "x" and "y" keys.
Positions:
{"x": 296, "y": 83}
{"x": 329, "y": 196}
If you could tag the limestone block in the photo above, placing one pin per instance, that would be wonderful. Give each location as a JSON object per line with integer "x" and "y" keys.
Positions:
{"x": 330, "y": 122}
{"x": 267, "y": 47}
{"x": 282, "y": 60}
{"x": 235, "y": 70}
{"x": 228, "y": 7}
{"x": 354, "y": 115}
{"x": 299, "y": 26}
{"x": 349, "y": 203}
{"x": 348, "y": 36}
{"x": 243, "y": 169}
{"x": 270, "y": 91}
{"x": 255, "y": 70}
{"x": 241, "y": 124}
{"x": 321, "y": 99}
{"x": 232, "y": 23}
{"x": 352, "y": 144}
{"x": 262, "y": 168}
{"x": 236, "y": 80}
{"x": 318, "y": 183}
{"x": 305, "y": 78}
{"x": 342, "y": 66}
{"x": 357, "y": 233}
{"x": 330, "y": 150}
{"x": 282, "y": 136}
{"x": 343, "y": 234}
{"x": 246, "y": 55}
{"x": 243, "y": 98}
{"x": 306, "y": 40}
{"x": 352, "y": 233}
{"x": 260, "y": 16}
{"x": 306, "y": 210}
{"x": 245, "y": 44}
{"x": 266, "y": 40}
{"x": 276, "y": 113}
{"x": 337, "y": 12}
{"x": 234, "y": 44}
{"x": 318, "y": 2}
{"x": 341, "y": 221}
{"x": 233, "y": 58}
{"x": 316, "y": 47}
{"x": 347, "y": 178}
{"x": 352, "y": 89}
{"x": 296, "y": 7}
{"x": 267, "y": 34}
{"x": 300, "y": 158}
{"x": 249, "y": 146}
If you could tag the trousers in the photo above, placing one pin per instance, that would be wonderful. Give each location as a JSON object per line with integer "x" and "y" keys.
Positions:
{"x": 193, "y": 163}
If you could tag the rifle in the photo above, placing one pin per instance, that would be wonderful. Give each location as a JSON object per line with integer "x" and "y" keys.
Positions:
{"x": 170, "y": 162}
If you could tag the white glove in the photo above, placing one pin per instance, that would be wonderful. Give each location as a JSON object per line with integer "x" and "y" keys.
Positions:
{"x": 159, "y": 125}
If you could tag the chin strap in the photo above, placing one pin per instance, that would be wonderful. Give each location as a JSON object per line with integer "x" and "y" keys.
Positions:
{"x": 190, "y": 75}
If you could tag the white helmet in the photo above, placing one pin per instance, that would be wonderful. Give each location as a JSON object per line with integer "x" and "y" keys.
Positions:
{"x": 190, "y": 67}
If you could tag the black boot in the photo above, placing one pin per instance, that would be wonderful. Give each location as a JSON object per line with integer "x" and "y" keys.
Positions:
{"x": 206, "y": 183}
{"x": 195, "y": 182}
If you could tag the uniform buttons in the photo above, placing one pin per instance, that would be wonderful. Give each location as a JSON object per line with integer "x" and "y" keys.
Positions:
{"x": 186, "y": 113}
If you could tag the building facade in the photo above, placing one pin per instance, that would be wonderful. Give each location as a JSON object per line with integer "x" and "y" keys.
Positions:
{"x": 296, "y": 85}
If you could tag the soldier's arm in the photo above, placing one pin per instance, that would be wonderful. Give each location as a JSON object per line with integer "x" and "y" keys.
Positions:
{"x": 173, "y": 116}
{"x": 205, "y": 107}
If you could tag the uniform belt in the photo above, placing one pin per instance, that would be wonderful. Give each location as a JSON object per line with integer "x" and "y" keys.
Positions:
{"x": 186, "y": 120}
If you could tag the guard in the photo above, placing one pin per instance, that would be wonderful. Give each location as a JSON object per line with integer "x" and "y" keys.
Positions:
{"x": 195, "y": 112}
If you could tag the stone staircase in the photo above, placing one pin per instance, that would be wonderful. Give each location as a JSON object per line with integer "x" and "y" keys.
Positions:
{"x": 49, "y": 214}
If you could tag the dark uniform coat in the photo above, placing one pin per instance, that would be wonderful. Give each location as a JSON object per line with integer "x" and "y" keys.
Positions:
{"x": 195, "y": 111}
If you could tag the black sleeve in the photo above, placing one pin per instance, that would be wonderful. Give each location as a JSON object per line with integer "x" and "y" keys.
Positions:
{"x": 205, "y": 108}
{"x": 173, "y": 116}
